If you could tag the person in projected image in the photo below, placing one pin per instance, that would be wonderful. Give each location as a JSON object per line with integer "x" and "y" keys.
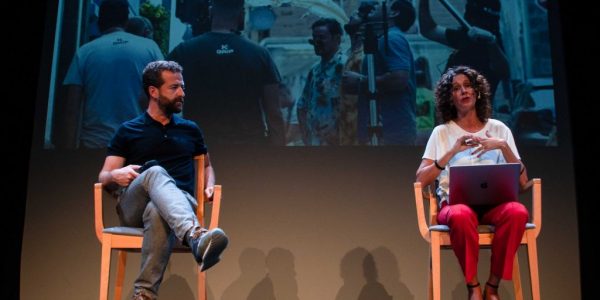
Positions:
{"x": 469, "y": 136}
{"x": 233, "y": 83}
{"x": 319, "y": 105}
{"x": 348, "y": 101}
{"x": 479, "y": 46}
{"x": 394, "y": 81}
{"x": 159, "y": 199}
{"x": 140, "y": 26}
{"x": 103, "y": 82}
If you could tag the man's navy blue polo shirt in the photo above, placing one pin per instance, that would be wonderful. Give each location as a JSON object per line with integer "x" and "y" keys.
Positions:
{"x": 173, "y": 145}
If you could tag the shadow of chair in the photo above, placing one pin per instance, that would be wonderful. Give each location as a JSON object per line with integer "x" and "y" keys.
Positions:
{"x": 129, "y": 239}
{"x": 438, "y": 236}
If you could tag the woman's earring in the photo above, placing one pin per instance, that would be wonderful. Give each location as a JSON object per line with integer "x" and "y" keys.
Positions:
{"x": 479, "y": 96}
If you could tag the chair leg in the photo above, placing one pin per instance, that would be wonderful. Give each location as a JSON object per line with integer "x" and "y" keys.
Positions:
{"x": 105, "y": 266}
{"x": 533, "y": 266}
{"x": 202, "y": 295}
{"x": 516, "y": 275}
{"x": 429, "y": 281}
{"x": 121, "y": 263}
{"x": 435, "y": 266}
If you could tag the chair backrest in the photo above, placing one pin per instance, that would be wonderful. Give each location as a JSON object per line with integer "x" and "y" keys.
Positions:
{"x": 199, "y": 194}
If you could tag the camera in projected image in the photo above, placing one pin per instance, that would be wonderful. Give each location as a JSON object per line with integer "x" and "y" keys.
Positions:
{"x": 370, "y": 15}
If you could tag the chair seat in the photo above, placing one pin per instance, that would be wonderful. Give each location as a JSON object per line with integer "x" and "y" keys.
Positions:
{"x": 123, "y": 230}
{"x": 480, "y": 228}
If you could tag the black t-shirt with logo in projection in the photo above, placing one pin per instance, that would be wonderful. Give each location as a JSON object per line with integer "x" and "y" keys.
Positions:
{"x": 224, "y": 75}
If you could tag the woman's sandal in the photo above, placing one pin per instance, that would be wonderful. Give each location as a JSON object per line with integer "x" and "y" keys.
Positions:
{"x": 493, "y": 286}
{"x": 471, "y": 288}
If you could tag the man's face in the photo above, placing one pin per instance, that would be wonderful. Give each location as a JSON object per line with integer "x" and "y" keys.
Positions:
{"x": 170, "y": 94}
{"x": 324, "y": 42}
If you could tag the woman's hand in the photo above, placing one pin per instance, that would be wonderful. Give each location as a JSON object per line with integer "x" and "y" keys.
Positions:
{"x": 487, "y": 143}
{"x": 464, "y": 142}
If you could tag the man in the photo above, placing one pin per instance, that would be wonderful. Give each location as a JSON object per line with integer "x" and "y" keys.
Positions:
{"x": 349, "y": 101}
{"x": 319, "y": 106}
{"x": 160, "y": 199}
{"x": 233, "y": 83}
{"x": 140, "y": 26}
{"x": 395, "y": 82}
{"x": 104, "y": 82}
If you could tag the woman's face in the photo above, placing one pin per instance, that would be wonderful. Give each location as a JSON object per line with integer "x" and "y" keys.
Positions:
{"x": 463, "y": 94}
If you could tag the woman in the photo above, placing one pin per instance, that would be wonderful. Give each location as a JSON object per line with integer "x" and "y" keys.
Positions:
{"x": 469, "y": 136}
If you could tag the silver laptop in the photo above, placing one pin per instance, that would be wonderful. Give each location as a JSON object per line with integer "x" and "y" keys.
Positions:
{"x": 484, "y": 184}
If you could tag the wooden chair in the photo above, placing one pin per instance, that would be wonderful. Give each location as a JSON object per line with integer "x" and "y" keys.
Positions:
{"x": 439, "y": 237}
{"x": 129, "y": 239}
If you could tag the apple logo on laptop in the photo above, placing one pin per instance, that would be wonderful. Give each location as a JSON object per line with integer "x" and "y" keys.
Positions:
{"x": 484, "y": 185}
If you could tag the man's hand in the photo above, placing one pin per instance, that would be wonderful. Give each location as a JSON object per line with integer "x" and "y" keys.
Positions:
{"x": 209, "y": 191}
{"x": 124, "y": 176}
{"x": 351, "y": 82}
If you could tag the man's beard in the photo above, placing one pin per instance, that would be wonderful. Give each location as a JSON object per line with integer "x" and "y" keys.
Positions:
{"x": 170, "y": 107}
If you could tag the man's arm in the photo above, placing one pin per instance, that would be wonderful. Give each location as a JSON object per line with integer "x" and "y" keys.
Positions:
{"x": 67, "y": 118}
{"x": 114, "y": 174}
{"x": 391, "y": 82}
{"x": 427, "y": 25}
{"x": 274, "y": 118}
{"x": 209, "y": 177}
{"x": 301, "y": 109}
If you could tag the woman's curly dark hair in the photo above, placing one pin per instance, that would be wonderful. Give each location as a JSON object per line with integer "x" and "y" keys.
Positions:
{"x": 444, "y": 105}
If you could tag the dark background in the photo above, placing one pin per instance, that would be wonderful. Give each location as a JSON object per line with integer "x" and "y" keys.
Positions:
{"x": 26, "y": 38}
{"x": 578, "y": 26}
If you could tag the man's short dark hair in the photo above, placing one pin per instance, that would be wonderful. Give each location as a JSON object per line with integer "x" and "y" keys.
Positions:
{"x": 227, "y": 8}
{"x": 403, "y": 13}
{"x": 152, "y": 75}
{"x": 139, "y": 26}
{"x": 113, "y": 13}
{"x": 333, "y": 26}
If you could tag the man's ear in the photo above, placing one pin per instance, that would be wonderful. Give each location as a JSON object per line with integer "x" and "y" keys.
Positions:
{"x": 153, "y": 92}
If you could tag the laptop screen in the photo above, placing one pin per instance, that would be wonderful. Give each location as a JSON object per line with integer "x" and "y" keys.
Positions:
{"x": 484, "y": 184}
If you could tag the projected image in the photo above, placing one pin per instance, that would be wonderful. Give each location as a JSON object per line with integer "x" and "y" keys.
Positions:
{"x": 298, "y": 72}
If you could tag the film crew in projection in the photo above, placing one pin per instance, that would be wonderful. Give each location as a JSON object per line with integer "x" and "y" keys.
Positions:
{"x": 348, "y": 101}
{"x": 104, "y": 86}
{"x": 387, "y": 102}
{"x": 477, "y": 42}
{"x": 318, "y": 107}
{"x": 232, "y": 84}
{"x": 238, "y": 107}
